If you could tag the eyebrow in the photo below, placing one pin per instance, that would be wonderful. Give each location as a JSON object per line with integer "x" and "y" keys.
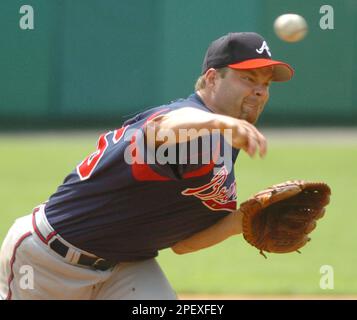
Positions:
{"x": 254, "y": 73}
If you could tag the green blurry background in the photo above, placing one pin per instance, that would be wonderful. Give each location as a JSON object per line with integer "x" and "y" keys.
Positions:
{"x": 92, "y": 64}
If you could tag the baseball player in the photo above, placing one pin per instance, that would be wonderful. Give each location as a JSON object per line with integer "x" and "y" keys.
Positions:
{"x": 98, "y": 235}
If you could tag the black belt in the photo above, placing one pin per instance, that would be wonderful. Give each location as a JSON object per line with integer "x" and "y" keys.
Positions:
{"x": 95, "y": 263}
{"x": 62, "y": 249}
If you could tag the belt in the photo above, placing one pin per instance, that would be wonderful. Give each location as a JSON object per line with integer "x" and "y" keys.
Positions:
{"x": 48, "y": 236}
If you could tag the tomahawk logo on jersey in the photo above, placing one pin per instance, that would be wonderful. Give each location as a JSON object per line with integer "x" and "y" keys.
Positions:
{"x": 101, "y": 207}
{"x": 214, "y": 194}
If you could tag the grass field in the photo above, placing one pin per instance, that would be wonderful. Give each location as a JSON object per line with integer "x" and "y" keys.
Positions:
{"x": 33, "y": 165}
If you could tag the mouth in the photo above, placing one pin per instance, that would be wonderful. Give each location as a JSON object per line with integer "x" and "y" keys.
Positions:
{"x": 250, "y": 111}
{"x": 251, "y": 104}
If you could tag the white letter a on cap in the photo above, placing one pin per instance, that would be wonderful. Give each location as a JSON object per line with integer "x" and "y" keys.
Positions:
{"x": 264, "y": 47}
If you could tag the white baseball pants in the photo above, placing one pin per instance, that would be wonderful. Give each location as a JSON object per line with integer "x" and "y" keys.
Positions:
{"x": 30, "y": 269}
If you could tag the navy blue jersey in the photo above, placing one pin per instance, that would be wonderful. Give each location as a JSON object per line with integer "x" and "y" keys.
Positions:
{"x": 124, "y": 210}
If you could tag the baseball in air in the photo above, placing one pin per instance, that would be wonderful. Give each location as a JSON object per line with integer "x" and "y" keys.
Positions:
{"x": 290, "y": 27}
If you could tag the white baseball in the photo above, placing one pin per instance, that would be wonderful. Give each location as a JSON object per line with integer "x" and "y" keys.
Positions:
{"x": 290, "y": 27}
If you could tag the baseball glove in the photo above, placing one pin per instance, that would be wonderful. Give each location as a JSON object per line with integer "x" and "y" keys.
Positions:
{"x": 280, "y": 218}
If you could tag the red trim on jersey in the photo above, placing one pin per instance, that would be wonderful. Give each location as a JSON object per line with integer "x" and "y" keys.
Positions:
{"x": 205, "y": 169}
{"x": 118, "y": 134}
{"x": 87, "y": 166}
{"x": 215, "y": 205}
{"x": 143, "y": 172}
{"x": 12, "y": 261}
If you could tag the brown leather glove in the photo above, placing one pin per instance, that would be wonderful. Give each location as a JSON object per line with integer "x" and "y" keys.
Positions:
{"x": 280, "y": 218}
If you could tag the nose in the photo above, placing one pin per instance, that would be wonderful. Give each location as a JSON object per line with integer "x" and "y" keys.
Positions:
{"x": 261, "y": 90}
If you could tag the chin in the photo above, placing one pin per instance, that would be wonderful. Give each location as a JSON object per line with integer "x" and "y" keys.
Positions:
{"x": 250, "y": 119}
{"x": 249, "y": 115}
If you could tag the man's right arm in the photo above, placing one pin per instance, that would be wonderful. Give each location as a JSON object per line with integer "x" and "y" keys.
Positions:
{"x": 243, "y": 134}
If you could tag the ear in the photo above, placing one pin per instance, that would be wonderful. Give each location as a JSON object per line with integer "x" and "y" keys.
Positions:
{"x": 211, "y": 77}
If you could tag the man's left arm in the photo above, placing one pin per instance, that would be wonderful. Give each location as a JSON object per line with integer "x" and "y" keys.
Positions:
{"x": 223, "y": 229}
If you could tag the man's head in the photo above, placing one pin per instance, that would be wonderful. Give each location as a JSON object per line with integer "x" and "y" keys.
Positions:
{"x": 236, "y": 73}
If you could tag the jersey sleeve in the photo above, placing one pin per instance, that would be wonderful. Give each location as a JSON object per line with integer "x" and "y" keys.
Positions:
{"x": 128, "y": 144}
{"x": 194, "y": 158}
{"x": 180, "y": 161}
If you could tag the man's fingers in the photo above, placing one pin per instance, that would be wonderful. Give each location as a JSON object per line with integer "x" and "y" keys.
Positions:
{"x": 251, "y": 145}
{"x": 261, "y": 140}
{"x": 254, "y": 140}
{"x": 248, "y": 143}
{"x": 263, "y": 146}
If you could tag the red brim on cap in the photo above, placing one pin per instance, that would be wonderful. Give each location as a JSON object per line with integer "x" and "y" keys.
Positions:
{"x": 281, "y": 71}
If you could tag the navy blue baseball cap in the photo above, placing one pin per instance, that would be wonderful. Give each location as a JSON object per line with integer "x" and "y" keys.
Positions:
{"x": 244, "y": 51}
